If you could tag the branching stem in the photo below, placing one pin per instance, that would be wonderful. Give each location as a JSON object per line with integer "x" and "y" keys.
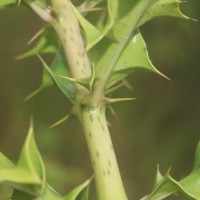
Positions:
{"x": 98, "y": 92}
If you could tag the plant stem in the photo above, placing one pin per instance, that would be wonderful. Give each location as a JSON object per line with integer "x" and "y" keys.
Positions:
{"x": 92, "y": 116}
{"x": 107, "y": 176}
{"x": 99, "y": 90}
{"x": 67, "y": 27}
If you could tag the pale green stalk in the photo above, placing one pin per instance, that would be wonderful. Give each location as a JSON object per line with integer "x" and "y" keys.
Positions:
{"x": 107, "y": 177}
{"x": 99, "y": 90}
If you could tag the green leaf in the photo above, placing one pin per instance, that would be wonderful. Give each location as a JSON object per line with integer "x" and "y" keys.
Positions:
{"x": 127, "y": 10}
{"x": 163, "y": 8}
{"x": 49, "y": 193}
{"x": 47, "y": 44}
{"x": 134, "y": 56}
{"x": 59, "y": 67}
{"x": 188, "y": 188}
{"x": 80, "y": 192}
{"x": 30, "y": 167}
{"x": 127, "y": 13}
{"x": 5, "y": 162}
{"x": 51, "y": 77}
{"x": 4, "y": 3}
{"x": 192, "y": 182}
{"x": 30, "y": 159}
{"x": 18, "y": 195}
{"x": 118, "y": 58}
{"x": 94, "y": 35}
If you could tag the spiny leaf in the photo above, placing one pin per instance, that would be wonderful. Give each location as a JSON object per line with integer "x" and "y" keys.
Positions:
{"x": 5, "y": 162}
{"x": 80, "y": 192}
{"x": 192, "y": 182}
{"x": 59, "y": 67}
{"x": 125, "y": 11}
{"x": 50, "y": 77}
{"x": 94, "y": 35}
{"x": 163, "y": 8}
{"x": 30, "y": 167}
{"x": 109, "y": 54}
{"x": 188, "y": 188}
{"x": 49, "y": 193}
{"x": 30, "y": 159}
{"x": 47, "y": 44}
{"x": 134, "y": 56}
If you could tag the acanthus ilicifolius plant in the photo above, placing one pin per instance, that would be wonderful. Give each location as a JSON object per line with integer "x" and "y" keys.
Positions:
{"x": 90, "y": 61}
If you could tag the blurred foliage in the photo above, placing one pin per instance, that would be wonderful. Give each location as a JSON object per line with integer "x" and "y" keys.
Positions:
{"x": 160, "y": 127}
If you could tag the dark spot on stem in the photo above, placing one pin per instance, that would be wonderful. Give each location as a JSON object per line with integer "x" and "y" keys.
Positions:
{"x": 64, "y": 30}
{"x": 104, "y": 173}
{"x": 83, "y": 54}
{"x": 97, "y": 153}
{"x": 83, "y": 71}
{"x": 90, "y": 135}
{"x": 71, "y": 38}
{"x": 109, "y": 163}
{"x": 65, "y": 41}
{"x": 102, "y": 110}
{"x": 108, "y": 172}
{"x": 102, "y": 127}
{"x": 98, "y": 118}
{"x": 91, "y": 118}
{"x": 71, "y": 29}
{"x": 85, "y": 66}
{"x": 93, "y": 163}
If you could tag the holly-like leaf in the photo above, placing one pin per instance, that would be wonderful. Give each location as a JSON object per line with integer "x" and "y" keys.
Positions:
{"x": 59, "y": 67}
{"x": 49, "y": 193}
{"x": 5, "y": 162}
{"x": 92, "y": 33}
{"x": 30, "y": 159}
{"x": 188, "y": 188}
{"x": 30, "y": 167}
{"x": 126, "y": 11}
{"x": 192, "y": 182}
{"x": 80, "y": 192}
{"x": 163, "y": 8}
{"x": 47, "y": 44}
{"x": 134, "y": 56}
{"x": 127, "y": 50}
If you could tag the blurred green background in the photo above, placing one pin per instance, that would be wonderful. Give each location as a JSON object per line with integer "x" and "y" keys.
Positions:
{"x": 161, "y": 127}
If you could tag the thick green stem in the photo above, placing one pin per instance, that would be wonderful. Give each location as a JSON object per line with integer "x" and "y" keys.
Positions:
{"x": 67, "y": 27}
{"x": 107, "y": 176}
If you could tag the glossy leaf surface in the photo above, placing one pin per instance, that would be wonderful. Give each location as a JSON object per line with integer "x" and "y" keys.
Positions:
{"x": 188, "y": 188}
